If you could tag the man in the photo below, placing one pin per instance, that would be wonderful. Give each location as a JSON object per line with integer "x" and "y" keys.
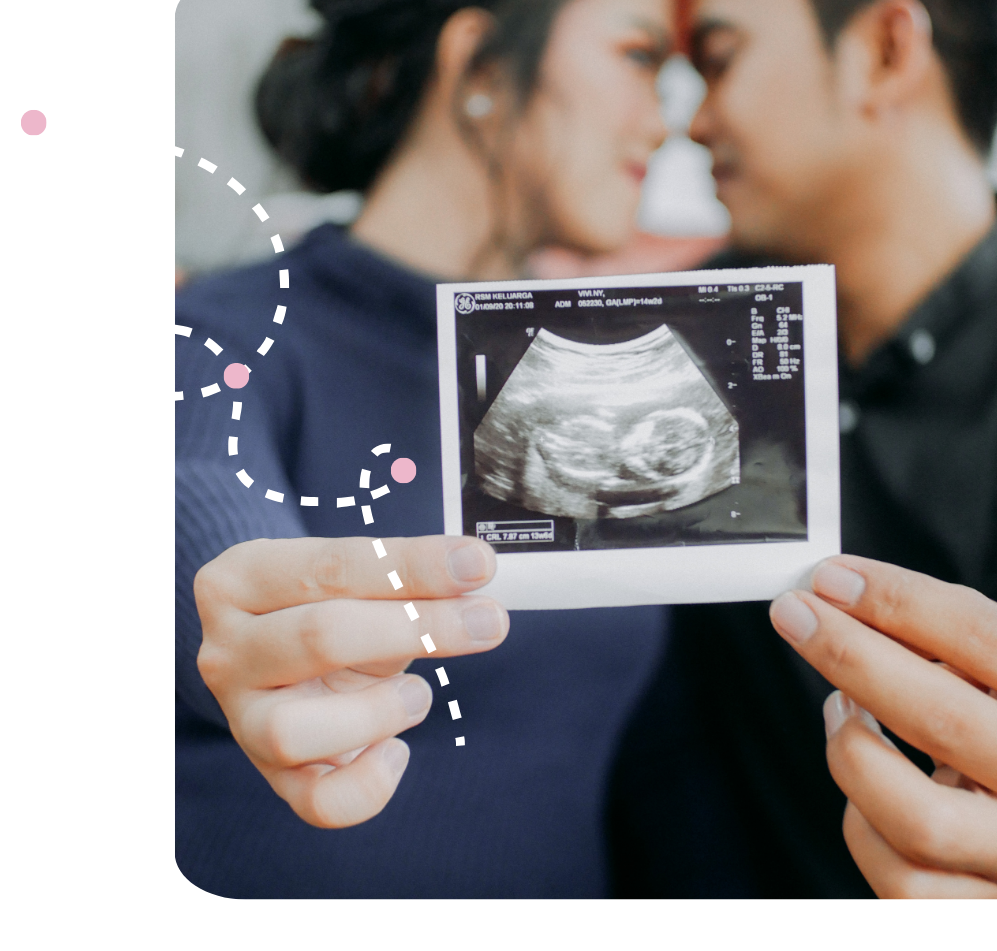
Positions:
{"x": 850, "y": 132}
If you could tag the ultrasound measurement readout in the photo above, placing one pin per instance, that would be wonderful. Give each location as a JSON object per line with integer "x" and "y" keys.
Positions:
{"x": 534, "y": 530}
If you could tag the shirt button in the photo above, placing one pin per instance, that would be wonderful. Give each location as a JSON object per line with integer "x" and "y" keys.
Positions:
{"x": 848, "y": 417}
{"x": 922, "y": 346}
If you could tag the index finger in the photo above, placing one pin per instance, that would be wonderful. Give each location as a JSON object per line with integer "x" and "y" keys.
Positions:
{"x": 272, "y": 574}
{"x": 944, "y": 621}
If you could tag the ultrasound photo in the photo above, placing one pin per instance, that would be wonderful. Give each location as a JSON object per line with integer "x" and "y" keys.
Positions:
{"x": 630, "y": 417}
{"x": 653, "y": 439}
{"x": 616, "y": 430}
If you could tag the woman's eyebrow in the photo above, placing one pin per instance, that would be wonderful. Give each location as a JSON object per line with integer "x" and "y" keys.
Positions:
{"x": 658, "y": 33}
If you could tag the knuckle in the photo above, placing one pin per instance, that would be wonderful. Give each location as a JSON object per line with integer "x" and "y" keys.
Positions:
{"x": 894, "y": 597}
{"x": 278, "y": 736}
{"x": 931, "y": 836}
{"x": 331, "y": 570}
{"x": 316, "y": 641}
{"x": 981, "y": 613}
{"x": 213, "y": 665}
{"x": 210, "y": 588}
{"x": 839, "y": 655}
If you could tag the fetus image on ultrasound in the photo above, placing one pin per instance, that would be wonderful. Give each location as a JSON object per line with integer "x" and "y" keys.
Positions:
{"x": 606, "y": 431}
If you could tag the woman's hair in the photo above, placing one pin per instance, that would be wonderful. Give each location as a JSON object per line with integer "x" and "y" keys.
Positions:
{"x": 335, "y": 106}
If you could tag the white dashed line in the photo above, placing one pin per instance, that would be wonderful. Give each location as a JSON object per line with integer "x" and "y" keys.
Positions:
{"x": 264, "y": 347}
{"x": 210, "y": 390}
{"x": 209, "y": 167}
{"x": 244, "y": 478}
{"x": 181, "y": 331}
{"x": 442, "y": 674}
{"x": 460, "y": 740}
{"x": 365, "y": 478}
{"x": 213, "y": 347}
{"x": 285, "y": 279}
{"x": 454, "y": 710}
{"x": 260, "y": 213}
{"x": 311, "y": 500}
{"x": 177, "y": 151}
{"x": 368, "y": 518}
{"x": 276, "y": 242}
{"x": 427, "y": 642}
{"x": 278, "y": 317}
{"x": 177, "y": 396}
{"x": 379, "y": 548}
{"x": 345, "y": 502}
{"x": 237, "y": 187}
{"x": 377, "y": 493}
{"x": 275, "y": 496}
{"x": 233, "y": 445}
{"x": 383, "y": 448}
{"x": 396, "y": 582}
{"x": 411, "y": 611}
{"x": 236, "y": 410}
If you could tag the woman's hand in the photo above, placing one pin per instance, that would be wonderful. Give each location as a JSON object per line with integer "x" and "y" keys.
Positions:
{"x": 921, "y": 656}
{"x": 305, "y": 644}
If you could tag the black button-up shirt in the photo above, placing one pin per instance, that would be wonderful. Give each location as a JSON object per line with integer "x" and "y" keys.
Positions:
{"x": 722, "y": 786}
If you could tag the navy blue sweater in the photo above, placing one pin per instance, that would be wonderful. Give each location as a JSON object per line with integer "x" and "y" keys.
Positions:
{"x": 518, "y": 811}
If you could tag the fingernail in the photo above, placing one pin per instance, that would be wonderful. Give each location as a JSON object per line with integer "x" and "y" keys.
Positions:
{"x": 792, "y": 618}
{"x": 838, "y": 583}
{"x": 416, "y": 695}
{"x": 467, "y": 563}
{"x": 484, "y": 622}
{"x": 837, "y": 709}
{"x": 396, "y": 754}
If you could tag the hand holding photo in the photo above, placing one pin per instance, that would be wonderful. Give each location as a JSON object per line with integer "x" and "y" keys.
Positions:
{"x": 647, "y": 439}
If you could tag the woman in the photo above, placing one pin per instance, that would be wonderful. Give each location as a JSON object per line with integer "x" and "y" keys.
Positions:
{"x": 477, "y": 134}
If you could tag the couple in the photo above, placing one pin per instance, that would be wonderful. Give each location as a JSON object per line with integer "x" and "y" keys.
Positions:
{"x": 636, "y": 751}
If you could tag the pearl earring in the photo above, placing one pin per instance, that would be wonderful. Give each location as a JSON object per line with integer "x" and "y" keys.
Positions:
{"x": 478, "y": 105}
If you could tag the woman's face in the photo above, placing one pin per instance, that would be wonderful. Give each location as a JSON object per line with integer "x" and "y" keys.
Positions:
{"x": 581, "y": 146}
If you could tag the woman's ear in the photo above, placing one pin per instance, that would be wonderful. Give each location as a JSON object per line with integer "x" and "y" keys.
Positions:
{"x": 460, "y": 39}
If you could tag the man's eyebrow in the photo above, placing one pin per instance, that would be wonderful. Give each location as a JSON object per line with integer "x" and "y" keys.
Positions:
{"x": 707, "y": 26}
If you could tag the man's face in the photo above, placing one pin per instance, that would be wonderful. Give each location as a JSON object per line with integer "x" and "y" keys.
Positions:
{"x": 783, "y": 147}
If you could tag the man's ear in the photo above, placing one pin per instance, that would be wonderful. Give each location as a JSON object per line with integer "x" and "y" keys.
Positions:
{"x": 885, "y": 58}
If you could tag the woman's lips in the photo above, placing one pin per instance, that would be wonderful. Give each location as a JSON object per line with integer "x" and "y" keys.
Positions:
{"x": 637, "y": 171}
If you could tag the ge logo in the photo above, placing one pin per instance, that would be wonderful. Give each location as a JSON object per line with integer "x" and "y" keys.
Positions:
{"x": 464, "y": 303}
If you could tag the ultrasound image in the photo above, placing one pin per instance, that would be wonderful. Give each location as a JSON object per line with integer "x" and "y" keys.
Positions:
{"x": 606, "y": 431}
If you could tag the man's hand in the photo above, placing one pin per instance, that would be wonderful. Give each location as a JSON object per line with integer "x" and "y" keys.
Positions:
{"x": 921, "y": 657}
{"x": 305, "y": 645}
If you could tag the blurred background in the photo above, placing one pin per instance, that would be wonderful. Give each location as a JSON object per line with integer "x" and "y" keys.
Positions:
{"x": 222, "y": 47}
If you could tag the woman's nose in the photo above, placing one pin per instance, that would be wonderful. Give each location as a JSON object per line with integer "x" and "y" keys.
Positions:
{"x": 701, "y": 126}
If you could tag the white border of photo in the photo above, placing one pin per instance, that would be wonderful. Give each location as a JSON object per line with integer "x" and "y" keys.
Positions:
{"x": 691, "y": 574}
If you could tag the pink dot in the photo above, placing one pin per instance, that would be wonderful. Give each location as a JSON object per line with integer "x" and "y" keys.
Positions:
{"x": 236, "y": 376}
{"x": 403, "y": 470}
{"x": 33, "y": 122}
